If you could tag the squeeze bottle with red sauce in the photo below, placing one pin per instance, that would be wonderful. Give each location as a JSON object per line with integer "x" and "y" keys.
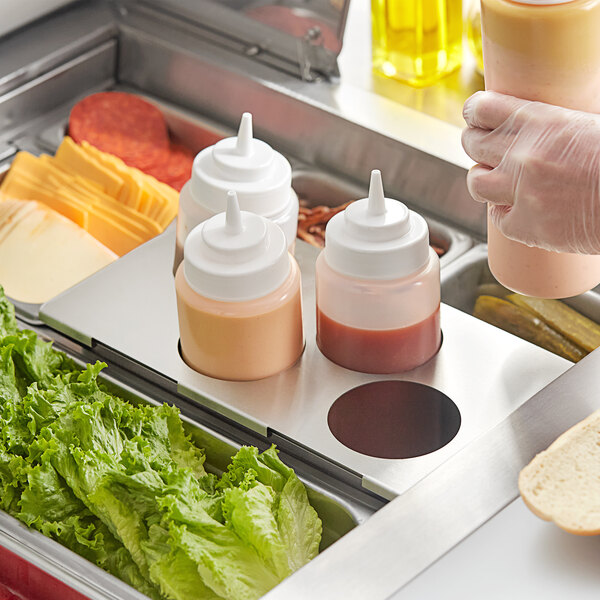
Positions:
{"x": 238, "y": 297}
{"x": 378, "y": 287}
{"x": 545, "y": 50}
{"x": 261, "y": 177}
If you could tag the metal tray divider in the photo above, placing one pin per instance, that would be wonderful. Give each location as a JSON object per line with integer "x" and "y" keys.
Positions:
{"x": 476, "y": 361}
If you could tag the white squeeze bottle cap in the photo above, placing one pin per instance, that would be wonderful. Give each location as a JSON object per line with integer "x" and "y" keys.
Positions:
{"x": 261, "y": 176}
{"x": 236, "y": 255}
{"x": 377, "y": 238}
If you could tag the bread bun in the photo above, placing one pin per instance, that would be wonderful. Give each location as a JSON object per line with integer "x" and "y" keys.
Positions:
{"x": 562, "y": 483}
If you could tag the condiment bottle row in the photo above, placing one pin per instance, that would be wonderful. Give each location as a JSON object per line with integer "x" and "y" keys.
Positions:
{"x": 377, "y": 290}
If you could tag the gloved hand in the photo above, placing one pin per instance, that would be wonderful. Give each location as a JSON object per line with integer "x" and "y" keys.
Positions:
{"x": 539, "y": 169}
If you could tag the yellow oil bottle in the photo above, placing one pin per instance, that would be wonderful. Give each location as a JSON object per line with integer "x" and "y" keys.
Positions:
{"x": 416, "y": 41}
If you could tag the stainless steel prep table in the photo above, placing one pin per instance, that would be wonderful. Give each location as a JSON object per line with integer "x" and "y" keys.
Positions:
{"x": 414, "y": 531}
{"x": 338, "y": 128}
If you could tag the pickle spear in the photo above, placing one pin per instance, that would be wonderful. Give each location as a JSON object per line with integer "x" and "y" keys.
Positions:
{"x": 573, "y": 325}
{"x": 526, "y": 325}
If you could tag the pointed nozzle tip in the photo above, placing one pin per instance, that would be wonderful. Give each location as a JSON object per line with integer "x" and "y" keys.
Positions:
{"x": 233, "y": 216}
{"x": 376, "y": 194}
{"x": 244, "y": 136}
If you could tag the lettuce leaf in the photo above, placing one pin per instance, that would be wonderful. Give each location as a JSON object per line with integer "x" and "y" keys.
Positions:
{"x": 48, "y": 505}
{"x": 298, "y": 524}
{"x": 170, "y": 565}
{"x": 228, "y": 566}
{"x": 8, "y": 322}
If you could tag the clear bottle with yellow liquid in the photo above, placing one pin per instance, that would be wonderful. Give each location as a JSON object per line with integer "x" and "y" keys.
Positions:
{"x": 416, "y": 41}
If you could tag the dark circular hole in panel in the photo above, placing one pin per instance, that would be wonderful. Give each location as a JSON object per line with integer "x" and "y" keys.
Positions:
{"x": 394, "y": 419}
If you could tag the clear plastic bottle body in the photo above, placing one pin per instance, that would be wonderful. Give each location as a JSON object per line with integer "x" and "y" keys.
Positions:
{"x": 241, "y": 341}
{"x": 416, "y": 41}
{"x": 548, "y": 53}
{"x": 378, "y": 326}
{"x": 473, "y": 26}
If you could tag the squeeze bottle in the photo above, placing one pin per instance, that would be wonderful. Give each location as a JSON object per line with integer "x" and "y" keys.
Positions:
{"x": 550, "y": 52}
{"x": 261, "y": 177}
{"x": 238, "y": 297}
{"x": 378, "y": 287}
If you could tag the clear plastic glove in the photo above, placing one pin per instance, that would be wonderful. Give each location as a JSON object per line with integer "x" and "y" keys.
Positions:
{"x": 539, "y": 169}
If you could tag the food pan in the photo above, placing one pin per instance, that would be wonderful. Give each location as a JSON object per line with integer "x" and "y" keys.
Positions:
{"x": 316, "y": 188}
{"x": 460, "y": 282}
{"x": 30, "y": 551}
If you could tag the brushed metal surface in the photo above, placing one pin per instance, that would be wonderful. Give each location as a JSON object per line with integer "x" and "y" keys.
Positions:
{"x": 130, "y": 307}
{"x": 23, "y": 109}
{"x": 513, "y": 555}
{"x": 6, "y": 152}
{"x": 307, "y": 34}
{"x": 410, "y": 533}
{"x": 51, "y": 42}
{"x": 18, "y": 13}
{"x": 337, "y": 127}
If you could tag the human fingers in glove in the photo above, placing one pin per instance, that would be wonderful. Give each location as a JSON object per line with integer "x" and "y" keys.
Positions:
{"x": 538, "y": 168}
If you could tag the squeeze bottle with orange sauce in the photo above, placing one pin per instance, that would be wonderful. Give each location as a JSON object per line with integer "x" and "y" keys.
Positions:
{"x": 239, "y": 297}
{"x": 378, "y": 287}
{"x": 261, "y": 177}
{"x": 547, "y": 51}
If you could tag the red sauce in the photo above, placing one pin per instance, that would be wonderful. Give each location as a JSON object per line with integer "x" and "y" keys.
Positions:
{"x": 379, "y": 351}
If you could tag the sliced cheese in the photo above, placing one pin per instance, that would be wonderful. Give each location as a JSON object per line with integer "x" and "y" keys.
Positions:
{"x": 132, "y": 189}
{"x": 17, "y": 185}
{"x": 119, "y": 205}
{"x": 43, "y": 253}
{"x": 72, "y": 158}
{"x": 154, "y": 198}
{"x": 115, "y": 225}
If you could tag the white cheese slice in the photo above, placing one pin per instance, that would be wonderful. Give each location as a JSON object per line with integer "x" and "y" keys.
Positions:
{"x": 43, "y": 253}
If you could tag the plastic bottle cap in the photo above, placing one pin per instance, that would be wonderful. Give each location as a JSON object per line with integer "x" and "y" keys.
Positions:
{"x": 377, "y": 237}
{"x": 235, "y": 255}
{"x": 261, "y": 176}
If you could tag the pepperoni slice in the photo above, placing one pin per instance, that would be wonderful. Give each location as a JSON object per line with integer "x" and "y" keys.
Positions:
{"x": 121, "y": 124}
{"x": 176, "y": 168}
{"x": 134, "y": 130}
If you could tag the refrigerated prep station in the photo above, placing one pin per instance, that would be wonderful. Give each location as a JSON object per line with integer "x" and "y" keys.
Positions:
{"x": 413, "y": 474}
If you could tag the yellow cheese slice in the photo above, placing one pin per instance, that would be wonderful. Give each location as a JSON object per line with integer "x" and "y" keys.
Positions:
{"x": 72, "y": 158}
{"x": 17, "y": 185}
{"x": 132, "y": 188}
{"x": 44, "y": 253}
{"x": 49, "y": 176}
{"x": 154, "y": 197}
{"x": 119, "y": 205}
